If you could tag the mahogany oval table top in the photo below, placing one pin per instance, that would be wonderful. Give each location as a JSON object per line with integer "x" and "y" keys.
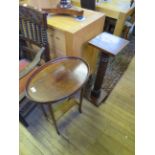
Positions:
{"x": 57, "y": 80}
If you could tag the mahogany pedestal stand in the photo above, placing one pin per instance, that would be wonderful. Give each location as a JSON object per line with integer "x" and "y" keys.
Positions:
{"x": 109, "y": 45}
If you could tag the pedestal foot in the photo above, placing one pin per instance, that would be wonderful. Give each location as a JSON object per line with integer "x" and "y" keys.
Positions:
{"x": 98, "y": 100}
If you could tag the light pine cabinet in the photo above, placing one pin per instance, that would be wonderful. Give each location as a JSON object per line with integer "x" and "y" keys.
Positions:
{"x": 57, "y": 42}
{"x": 69, "y": 37}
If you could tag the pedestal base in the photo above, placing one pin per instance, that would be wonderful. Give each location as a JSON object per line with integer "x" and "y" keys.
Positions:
{"x": 97, "y": 100}
{"x": 109, "y": 45}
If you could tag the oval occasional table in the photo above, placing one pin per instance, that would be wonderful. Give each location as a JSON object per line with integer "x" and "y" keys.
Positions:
{"x": 56, "y": 81}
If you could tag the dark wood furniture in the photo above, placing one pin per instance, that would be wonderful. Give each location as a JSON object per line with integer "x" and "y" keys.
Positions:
{"x": 65, "y": 7}
{"x": 33, "y": 28}
{"x": 109, "y": 45}
{"x": 33, "y": 46}
{"x": 56, "y": 81}
{"x": 26, "y": 68}
{"x": 74, "y": 11}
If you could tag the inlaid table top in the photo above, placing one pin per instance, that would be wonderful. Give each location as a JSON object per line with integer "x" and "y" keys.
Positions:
{"x": 58, "y": 79}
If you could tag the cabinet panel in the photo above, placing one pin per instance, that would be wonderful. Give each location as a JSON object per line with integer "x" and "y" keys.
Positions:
{"x": 51, "y": 42}
{"x": 57, "y": 42}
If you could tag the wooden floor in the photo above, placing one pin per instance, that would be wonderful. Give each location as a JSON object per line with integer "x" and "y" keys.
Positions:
{"x": 107, "y": 130}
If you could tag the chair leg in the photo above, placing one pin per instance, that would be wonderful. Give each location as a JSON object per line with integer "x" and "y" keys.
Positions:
{"x": 53, "y": 117}
{"x": 81, "y": 98}
{"x": 22, "y": 120}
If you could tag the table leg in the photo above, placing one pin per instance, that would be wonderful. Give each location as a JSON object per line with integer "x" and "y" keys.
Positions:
{"x": 95, "y": 93}
{"x": 53, "y": 117}
{"x": 44, "y": 111}
{"x": 81, "y": 98}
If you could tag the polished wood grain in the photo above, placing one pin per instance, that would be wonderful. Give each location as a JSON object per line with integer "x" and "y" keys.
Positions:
{"x": 57, "y": 80}
{"x": 106, "y": 130}
{"x": 109, "y": 43}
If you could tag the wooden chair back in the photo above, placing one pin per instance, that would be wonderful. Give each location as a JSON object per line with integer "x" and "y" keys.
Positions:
{"x": 33, "y": 28}
{"x": 26, "y": 68}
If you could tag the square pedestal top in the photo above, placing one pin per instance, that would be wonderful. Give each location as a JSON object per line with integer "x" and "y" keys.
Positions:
{"x": 109, "y": 43}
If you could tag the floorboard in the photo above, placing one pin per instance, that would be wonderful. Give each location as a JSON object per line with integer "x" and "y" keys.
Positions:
{"x": 106, "y": 130}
